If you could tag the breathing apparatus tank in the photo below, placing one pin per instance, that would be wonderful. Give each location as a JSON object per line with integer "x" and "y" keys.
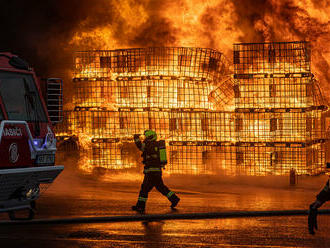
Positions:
{"x": 151, "y": 135}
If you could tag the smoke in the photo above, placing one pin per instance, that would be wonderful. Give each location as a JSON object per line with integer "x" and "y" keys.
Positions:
{"x": 46, "y": 33}
{"x": 297, "y": 20}
{"x": 150, "y": 34}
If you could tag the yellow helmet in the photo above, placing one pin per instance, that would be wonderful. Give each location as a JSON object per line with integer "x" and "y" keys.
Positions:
{"x": 150, "y": 135}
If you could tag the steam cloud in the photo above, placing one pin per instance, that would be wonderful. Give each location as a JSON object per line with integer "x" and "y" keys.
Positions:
{"x": 46, "y": 33}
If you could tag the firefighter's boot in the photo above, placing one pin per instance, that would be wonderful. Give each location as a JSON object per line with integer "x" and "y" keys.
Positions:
{"x": 174, "y": 199}
{"x": 139, "y": 209}
{"x": 140, "y": 205}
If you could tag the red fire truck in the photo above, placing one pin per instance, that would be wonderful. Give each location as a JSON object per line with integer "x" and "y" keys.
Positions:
{"x": 29, "y": 107}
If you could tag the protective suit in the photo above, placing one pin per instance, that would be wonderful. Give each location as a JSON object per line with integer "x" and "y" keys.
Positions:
{"x": 153, "y": 161}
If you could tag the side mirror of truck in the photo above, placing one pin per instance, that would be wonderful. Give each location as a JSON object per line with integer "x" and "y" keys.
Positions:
{"x": 54, "y": 99}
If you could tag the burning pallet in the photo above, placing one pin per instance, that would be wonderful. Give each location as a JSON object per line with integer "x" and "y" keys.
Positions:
{"x": 265, "y": 119}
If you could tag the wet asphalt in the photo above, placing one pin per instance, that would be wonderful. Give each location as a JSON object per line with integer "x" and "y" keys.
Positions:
{"x": 77, "y": 195}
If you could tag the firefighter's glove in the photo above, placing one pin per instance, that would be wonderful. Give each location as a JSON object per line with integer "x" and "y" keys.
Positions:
{"x": 312, "y": 218}
{"x": 136, "y": 136}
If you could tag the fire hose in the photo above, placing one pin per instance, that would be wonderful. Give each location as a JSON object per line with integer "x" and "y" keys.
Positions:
{"x": 157, "y": 217}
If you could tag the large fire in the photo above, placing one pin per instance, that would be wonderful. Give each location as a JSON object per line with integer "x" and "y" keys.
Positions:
{"x": 259, "y": 113}
{"x": 265, "y": 119}
{"x": 214, "y": 23}
{"x": 226, "y": 112}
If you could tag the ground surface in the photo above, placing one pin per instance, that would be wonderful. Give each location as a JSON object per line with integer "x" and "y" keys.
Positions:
{"x": 73, "y": 195}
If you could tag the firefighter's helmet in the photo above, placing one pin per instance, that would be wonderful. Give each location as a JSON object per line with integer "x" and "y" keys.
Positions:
{"x": 150, "y": 135}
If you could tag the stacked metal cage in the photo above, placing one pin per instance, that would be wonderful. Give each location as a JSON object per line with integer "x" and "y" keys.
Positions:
{"x": 265, "y": 121}
{"x": 278, "y": 118}
{"x": 178, "y": 92}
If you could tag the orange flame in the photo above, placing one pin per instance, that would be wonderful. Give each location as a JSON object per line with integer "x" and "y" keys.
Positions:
{"x": 214, "y": 24}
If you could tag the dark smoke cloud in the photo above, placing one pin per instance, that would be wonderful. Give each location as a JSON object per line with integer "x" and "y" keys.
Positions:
{"x": 285, "y": 21}
{"x": 157, "y": 32}
{"x": 249, "y": 12}
{"x": 210, "y": 23}
{"x": 41, "y": 30}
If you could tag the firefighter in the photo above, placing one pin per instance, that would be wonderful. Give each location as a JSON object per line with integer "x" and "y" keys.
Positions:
{"x": 321, "y": 198}
{"x": 152, "y": 170}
